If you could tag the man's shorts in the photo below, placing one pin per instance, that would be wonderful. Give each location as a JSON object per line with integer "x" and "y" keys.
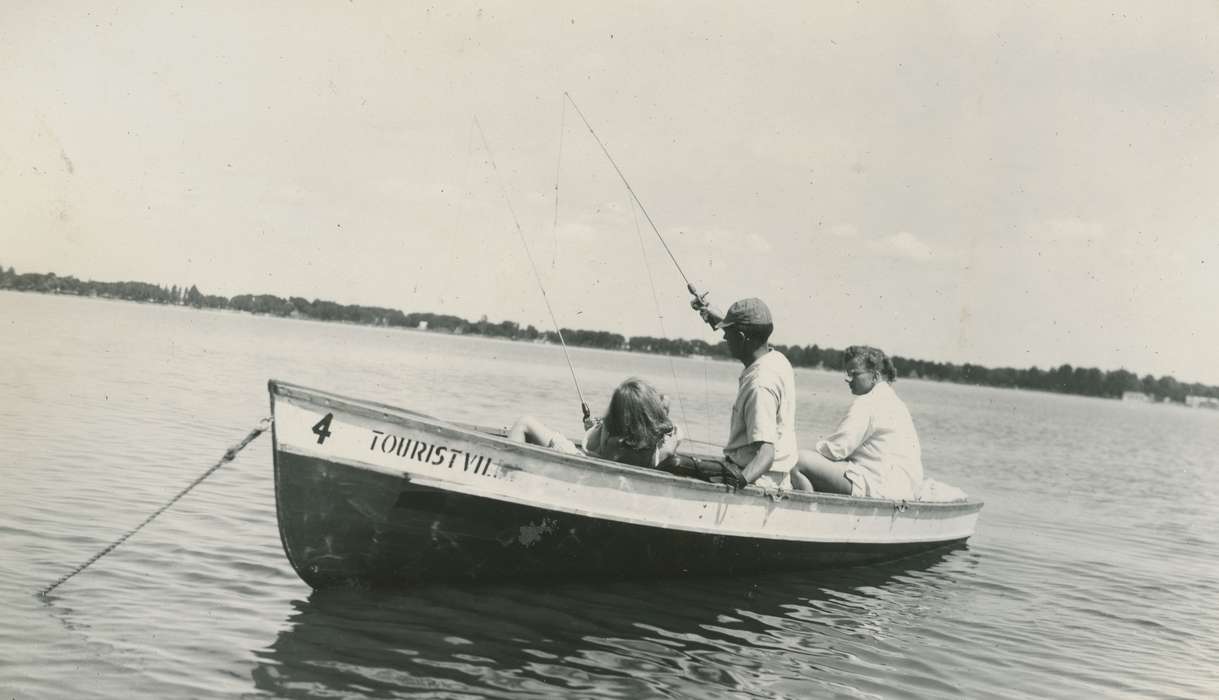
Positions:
{"x": 775, "y": 480}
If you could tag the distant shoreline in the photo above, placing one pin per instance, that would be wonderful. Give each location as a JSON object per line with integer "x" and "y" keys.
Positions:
{"x": 1117, "y": 384}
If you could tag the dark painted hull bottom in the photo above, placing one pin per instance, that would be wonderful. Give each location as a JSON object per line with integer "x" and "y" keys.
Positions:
{"x": 342, "y": 525}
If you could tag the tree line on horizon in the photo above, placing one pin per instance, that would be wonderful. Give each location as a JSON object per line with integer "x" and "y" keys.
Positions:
{"x": 1063, "y": 379}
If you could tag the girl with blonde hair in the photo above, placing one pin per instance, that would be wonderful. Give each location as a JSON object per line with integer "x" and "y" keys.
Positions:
{"x": 636, "y": 428}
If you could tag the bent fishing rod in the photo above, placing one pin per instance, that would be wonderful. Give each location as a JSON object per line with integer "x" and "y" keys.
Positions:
{"x": 587, "y": 414}
{"x": 689, "y": 285}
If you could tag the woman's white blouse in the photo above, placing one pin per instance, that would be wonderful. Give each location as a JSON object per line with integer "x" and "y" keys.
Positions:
{"x": 878, "y": 438}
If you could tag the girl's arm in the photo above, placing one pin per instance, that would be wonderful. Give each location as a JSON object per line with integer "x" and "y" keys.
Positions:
{"x": 853, "y": 431}
{"x": 668, "y": 446}
{"x": 593, "y": 438}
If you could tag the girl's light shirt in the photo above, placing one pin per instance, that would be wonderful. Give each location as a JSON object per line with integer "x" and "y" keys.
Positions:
{"x": 877, "y": 437}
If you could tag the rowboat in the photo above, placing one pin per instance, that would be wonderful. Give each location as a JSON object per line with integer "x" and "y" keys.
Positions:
{"x": 373, "y": 494}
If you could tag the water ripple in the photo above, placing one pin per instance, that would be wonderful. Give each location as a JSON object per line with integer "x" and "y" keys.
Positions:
{"x": 1090, "y": 575}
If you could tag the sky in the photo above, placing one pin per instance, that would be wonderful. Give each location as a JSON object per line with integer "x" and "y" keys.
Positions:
{"x": 1008, "y": 184}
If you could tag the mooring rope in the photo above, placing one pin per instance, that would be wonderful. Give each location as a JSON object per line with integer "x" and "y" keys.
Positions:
{"x": 262, "y": 426}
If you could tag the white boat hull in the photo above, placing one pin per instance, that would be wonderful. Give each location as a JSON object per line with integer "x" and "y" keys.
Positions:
{"x": 367, "y": 492}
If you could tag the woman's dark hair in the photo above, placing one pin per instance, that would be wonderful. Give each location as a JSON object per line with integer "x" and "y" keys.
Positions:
{"x": 870, "y": 358}
{"x": 637, "y": 416}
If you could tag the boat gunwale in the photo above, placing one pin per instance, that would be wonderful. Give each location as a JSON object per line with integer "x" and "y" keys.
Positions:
{"x": 468, "y": 431}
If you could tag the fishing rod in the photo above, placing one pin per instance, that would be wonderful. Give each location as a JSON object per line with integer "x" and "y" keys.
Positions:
{"x": 689, "y": 285}
{"x": 536, "y": 276}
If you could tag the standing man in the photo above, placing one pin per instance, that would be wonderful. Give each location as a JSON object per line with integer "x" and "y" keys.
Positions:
{"x": 762, "y": 434}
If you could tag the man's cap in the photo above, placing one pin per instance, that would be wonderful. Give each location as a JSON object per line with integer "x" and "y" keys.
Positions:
{"x": 751, "y": 311}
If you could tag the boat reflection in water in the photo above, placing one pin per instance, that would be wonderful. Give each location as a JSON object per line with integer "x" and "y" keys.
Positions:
{"x": 777, "y": 634}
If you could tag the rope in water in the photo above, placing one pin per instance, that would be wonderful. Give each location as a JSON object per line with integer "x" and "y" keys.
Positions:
{"x": 536, "y": 275}
{"x": 229, "y": 454}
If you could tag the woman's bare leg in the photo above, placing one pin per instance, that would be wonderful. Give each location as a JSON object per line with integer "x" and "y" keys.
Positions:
{"x": 800, "y": 482}
{"x": 531, "y": 430}
{"x": 823, "y": 474}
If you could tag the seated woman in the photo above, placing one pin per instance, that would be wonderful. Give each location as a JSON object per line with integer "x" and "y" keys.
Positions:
{"x": 635, "y": 430}
{"x": 875, "y": 451}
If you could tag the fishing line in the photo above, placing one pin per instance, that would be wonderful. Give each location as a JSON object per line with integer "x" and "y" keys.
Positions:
{"x": 659, "y": 316}
{"x": 465, "y": 190}
{"x": 554, "y": 255}
{"x": 536, "y": 275}
{"x": 689, "y": 285}
{"x": 462, "y": 204}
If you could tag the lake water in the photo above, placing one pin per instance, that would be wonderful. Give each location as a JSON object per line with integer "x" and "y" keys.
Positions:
{"x": 1094, "y": 570}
